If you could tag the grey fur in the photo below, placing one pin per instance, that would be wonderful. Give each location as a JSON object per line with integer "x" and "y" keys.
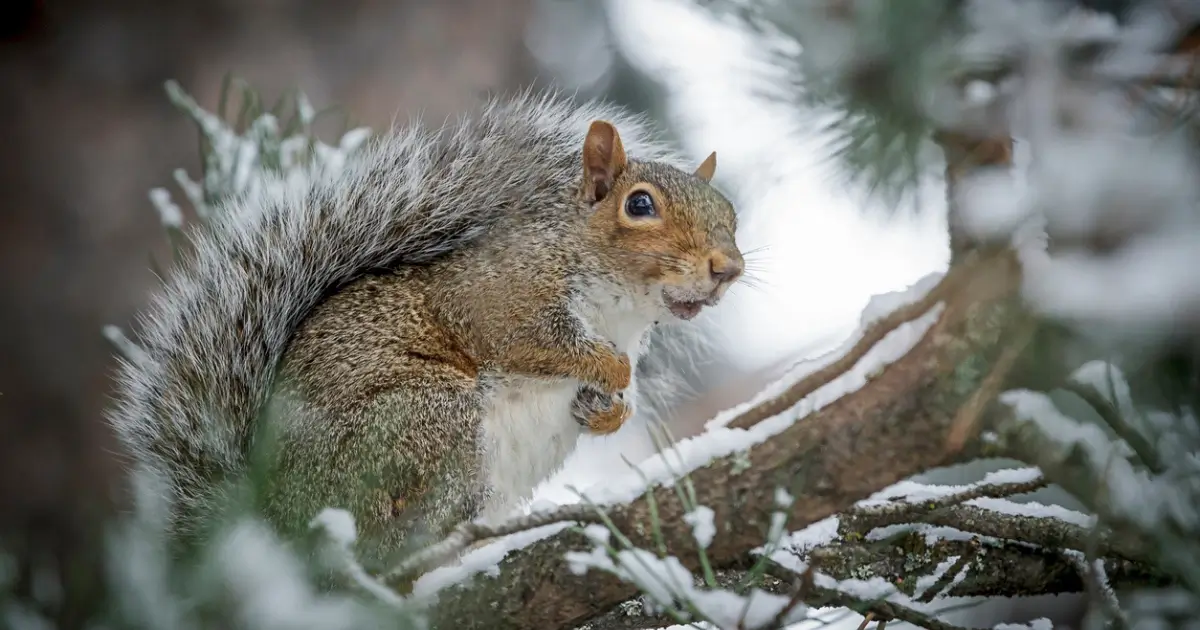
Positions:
{"x": 214, "y": 333}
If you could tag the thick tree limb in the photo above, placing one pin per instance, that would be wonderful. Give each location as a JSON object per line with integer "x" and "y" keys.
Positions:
{"x": 893, "y": 428}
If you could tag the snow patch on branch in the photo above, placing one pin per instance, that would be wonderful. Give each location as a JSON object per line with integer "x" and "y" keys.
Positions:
{"x": 485, "y": 559}
{"x": 926, "y": 582}
{"x": 1129, "y": 491}
{"x": 671, "y": 586}
{"x": 703, "y": 528}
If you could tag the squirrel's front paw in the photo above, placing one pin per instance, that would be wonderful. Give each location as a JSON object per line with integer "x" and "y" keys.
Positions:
{"x": 601, "y": 413}
{"x": 613, "y": 370}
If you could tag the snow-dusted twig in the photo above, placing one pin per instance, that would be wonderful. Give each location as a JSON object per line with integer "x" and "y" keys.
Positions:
{"x": 862, "y": 519}
{"x": 338, "y": 528}
{"x": 1096, "y": 578}
{"x": 1111, "y": 415}
{"x": 469, "y": 533}
{"x": 800, "y": 592}
{"x": 1044, "y": 531}
{"x": 993, "y": 567}
{"x": 883, "y": 609}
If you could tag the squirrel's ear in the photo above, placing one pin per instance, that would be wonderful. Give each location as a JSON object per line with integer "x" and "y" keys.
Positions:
{"x": 708, "y": 167}
{"x": 603, "y": 160}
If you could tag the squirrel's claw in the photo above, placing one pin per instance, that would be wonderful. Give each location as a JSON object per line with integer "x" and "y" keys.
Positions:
{"x": 601, "y": 413}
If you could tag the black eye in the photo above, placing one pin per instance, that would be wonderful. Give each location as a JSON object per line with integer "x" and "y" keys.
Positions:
{"x": 640, "y": 205}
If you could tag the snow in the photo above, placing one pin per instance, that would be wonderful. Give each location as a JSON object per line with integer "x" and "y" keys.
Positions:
{"x": 486, "y": 559}
{"x": 169, "y": 213}
{"x": 1130, "y": 492}
{"x": 337, "y": 524}
{"x": 703, "y": 529}
{"x": 1036, "y": 624}
{"x": 234, "y": 165}
{"x": 815, "y": 535}
{"x": 598, "y": 534}
{"x": 305, "y": 110}
{"x": 1106, "y": 379}
{"x": 926, "y": 582}
{"x": 1034, "y": 509}
{"x": 271, "y": 592}
{"x": 913, "y": 492}
{"x": 193, "y": 191}
{"x": 932, "y": 533}
{"x": 1098, "y": 178}
{"x": 667, "y": 583}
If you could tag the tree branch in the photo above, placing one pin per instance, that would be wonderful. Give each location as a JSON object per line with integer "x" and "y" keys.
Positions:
{"x": 1049, "y": 532}
{"x": 851, "y": 448}
{"x": 1011, "y": 555}
{"x": 863, "y": 519}
{"x": 822, "y": 596}
{"x": 993, "y": 568}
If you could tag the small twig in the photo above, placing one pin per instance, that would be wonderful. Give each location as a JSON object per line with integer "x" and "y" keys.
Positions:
{"x": 1093, "y": 575}
{"x": 470, "y": 533}
{"x": 1112, "y": 417}
{"x": 865, "y": 518}
{"x": 947, "y": 578}
{"x": 882, "y": 609}
{"x": 1043, "y": 531}
{"x": 339, "y": 546}
{"x": 866, "y": 620}
{"x": 652, "y": 504}
{"x": 803, "y": 587}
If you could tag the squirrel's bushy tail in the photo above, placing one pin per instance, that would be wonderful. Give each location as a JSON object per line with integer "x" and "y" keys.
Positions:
{"x": 216, "y": 330}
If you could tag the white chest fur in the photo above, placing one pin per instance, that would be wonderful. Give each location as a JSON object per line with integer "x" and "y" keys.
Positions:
{"x": 528, "y": 431}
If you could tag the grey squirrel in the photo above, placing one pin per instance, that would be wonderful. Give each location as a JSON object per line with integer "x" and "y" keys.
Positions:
{"x": 428, "y": 331}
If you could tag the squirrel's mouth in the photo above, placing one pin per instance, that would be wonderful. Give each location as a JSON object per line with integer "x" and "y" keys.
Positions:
{"x": 686, "y": 309}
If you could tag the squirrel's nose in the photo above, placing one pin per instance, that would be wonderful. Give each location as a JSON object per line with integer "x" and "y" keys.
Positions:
{"x": 724, "y": 268}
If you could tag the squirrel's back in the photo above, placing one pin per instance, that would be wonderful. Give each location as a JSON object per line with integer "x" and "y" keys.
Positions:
{"x": 214, "y": 333}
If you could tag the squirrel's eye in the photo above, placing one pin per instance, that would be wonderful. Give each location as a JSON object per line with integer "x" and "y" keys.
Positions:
{"x": 639, "y": 205}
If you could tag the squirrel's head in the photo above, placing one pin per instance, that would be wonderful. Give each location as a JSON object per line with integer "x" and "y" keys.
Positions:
{"x": 660, "y": 227}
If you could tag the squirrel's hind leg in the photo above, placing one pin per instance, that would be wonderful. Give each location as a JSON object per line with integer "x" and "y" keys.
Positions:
{"x": 405, "y": 463}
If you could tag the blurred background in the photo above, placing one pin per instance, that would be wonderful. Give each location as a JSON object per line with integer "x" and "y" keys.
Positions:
{"x": 87, "y": 131}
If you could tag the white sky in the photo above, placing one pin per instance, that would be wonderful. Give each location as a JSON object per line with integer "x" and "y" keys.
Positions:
{"x": 826, "y": 256}
{"x": 827, "y": 252}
